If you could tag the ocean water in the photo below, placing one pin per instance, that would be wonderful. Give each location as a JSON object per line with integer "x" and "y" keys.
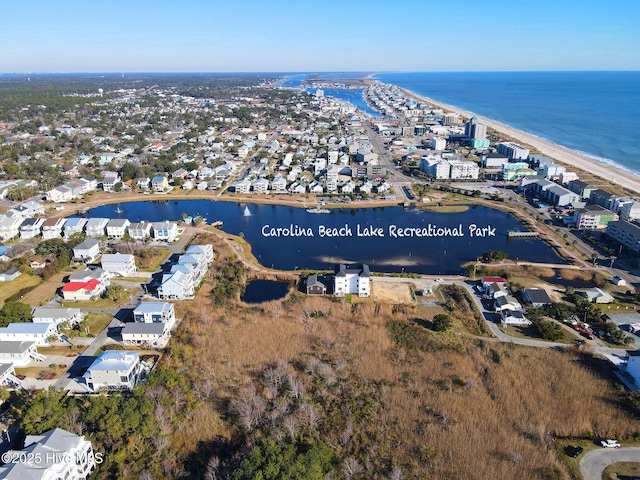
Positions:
{"x": 590, "y": 112}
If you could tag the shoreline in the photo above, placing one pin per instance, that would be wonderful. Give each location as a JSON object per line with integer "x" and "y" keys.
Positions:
{"x": 608, "y": 173}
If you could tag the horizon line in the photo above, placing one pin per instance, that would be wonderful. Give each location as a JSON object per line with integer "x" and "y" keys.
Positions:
{"x": 307, "y": 72}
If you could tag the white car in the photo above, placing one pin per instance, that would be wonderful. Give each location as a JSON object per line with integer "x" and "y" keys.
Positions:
{"x": 610, "y": 443}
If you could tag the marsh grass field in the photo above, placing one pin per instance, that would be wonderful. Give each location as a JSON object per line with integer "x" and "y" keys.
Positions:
{"x": 450, "y": 406}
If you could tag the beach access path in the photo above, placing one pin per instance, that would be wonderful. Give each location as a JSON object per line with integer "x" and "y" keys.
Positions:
{"x": 562, "y": 154}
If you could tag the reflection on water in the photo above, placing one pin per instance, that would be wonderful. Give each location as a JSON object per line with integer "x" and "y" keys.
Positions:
{"x": 366, "y": 234}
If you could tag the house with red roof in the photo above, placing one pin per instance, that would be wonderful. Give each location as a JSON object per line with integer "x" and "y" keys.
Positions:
{"x": 83, "y": 290}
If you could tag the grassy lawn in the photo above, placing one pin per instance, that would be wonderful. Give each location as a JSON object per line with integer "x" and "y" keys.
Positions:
{"x": 40, "y": 372}
{"x": 61, "y": 350}
{"x": 96, "y": 322}
{"x": 44, "y": 290}
{"x": 23, "y": 281}
{"x": 621, "y": 470}
{"x": 530, "y": 332}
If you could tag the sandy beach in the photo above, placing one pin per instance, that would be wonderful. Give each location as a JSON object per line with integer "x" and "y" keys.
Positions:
{"x": 570, "y": 158}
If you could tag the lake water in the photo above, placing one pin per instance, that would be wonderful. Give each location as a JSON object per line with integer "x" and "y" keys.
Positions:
{"x": 259, "y": 291}
{"x": 289, "y": 238}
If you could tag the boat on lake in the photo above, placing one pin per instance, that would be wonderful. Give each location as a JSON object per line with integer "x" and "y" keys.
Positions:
{"x": 318, "y": 210}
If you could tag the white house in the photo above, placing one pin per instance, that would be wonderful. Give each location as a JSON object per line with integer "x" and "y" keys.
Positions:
{"x": 57, "y": 316}
{"x": 74, "y": 225}
{"x": 110, "y": 180}
{"x": 513, "y": 317}
{"x": 297, "y": 187}
{"x": 52, "y": 228}
{"x": 261, "y": 185}
{"x": 203, "y": 252}
{"x": 140, "y": 231}
{"x": 279, "y": 185}
{"x": 87, "y": 251}
{"x": 243, "y": 186}
{"x": 117, "y": 227}
{"x": 28, "y": 332}
{"x": 56, "y": 454}
{"x": 19, "y": 354}
{"x": 113, "y": 370}
{"x": 31, "y": 227}
{"x": 10, "y": 227}
{"x": 154, "y": 312}
{"x": 177, "y": 285}
{"x": 96, "y": 227}
{"x": 119, "y": 264}
{"x": 144, "y": 183}
{"x": 165, "y": 231}
{"x": 152, "y": 334}
{"x": 90, "y": 274}
{"x": 352, "y": 279}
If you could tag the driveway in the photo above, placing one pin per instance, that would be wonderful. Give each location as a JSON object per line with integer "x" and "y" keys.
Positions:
{"x": 593, "y": 463}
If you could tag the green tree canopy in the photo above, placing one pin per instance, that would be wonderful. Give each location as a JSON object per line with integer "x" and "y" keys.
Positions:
{"x": 15, "y": 312}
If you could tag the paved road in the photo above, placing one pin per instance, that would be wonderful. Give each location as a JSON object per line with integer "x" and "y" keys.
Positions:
{"x": 593, "y": 463}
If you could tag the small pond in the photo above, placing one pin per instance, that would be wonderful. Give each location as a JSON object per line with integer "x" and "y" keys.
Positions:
{"x": 259, "y": 291}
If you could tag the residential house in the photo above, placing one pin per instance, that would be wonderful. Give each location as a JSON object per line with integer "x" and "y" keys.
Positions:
{"x": 348, "y": 187}
{"x": 179, "y": 284}
{"x": 538, "y": 297}
{"x": 151, "y": 334}
{"x": 10, "y": 274}
{"x": 73, "y": 225}
{"x": 627, "y": 233}
{"x": 8, "y": 379}
{"x": 60, "y": 194}
{"x": 90, "y": 290}
{"x": 88, "y": 251}
{"x": 596, "y": 295}
{"x": 120, "y": 264}
{"x": 154, "y": 312}
{"x": 109, "y": 181}
{"x": 593, "y": 217}
{"x": 57, "y": 316}
{"x": 297, "y": 187}
{"x": 28, "y": 332}
{"x": 243, "y": 186}
{"x": 96, "y": 227}
{"x": 633, "y": 365}
{"x": 506, "y": 302}
{"x": 513, "y": 317}
{"x": 117, "y": 227}
{"x": 90, "y": 274}
{"x": 316, "y": 187}
{"x": 26, "y": 210}
{"x": 56, "y": 454}
{"x": 261, "y": 185}
{"x": 140, "y": 231}
{"x": 352, "y": 279}
{"x": 279, "y": 184}
{"x": 485, "y": 282}
{"x": 143, "y": 183}
{"x": 581, "y": 188}
{"x": 165, "y": 231}
{"x": 31, "y": 227}
{"x": 113, "y": 370}
{"x": 19, "y": 354}
{"x": 52, "y": 228}
{"x": 159, "y": 183}
{"x": 10, "y": 227}
{"x": 204, "y": 252}
{"x": 315, "y": 286}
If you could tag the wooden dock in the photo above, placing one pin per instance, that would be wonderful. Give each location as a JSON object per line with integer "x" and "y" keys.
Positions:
{"x": 515, "y": 234}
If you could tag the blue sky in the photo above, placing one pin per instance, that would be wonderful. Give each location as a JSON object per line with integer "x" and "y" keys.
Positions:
{"x": 331, "y": 35}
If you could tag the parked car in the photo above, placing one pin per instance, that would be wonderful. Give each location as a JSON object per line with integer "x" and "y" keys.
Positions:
{"x": 610, "y": 443}
{"x": 573, "y": 451}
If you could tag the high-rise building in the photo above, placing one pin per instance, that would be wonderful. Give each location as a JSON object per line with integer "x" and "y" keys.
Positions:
{"x": 476, "y": 132}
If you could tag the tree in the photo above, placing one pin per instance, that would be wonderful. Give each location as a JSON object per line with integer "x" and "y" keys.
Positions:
{"x": 442, "y": 322}
{"x": 15, "y": 312}
{"x": 114, "y": 292}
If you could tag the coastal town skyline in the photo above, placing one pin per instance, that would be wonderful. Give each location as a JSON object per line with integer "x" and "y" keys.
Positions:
{"x": 285, "y": 37}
